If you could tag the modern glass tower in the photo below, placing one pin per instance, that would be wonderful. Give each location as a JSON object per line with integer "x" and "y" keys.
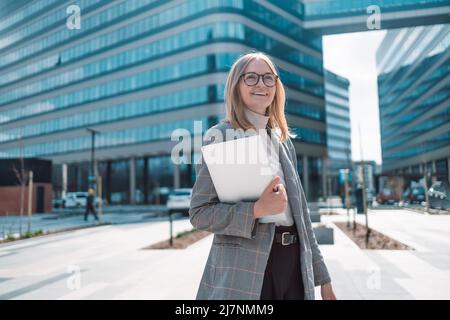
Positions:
{"x": 338, "y": 129}
{"x": 135, "y": 70}
{"x": 414, "y": 91}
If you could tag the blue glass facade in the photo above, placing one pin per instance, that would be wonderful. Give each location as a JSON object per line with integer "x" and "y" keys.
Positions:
{"x": 414, "y": 91}
{"x": 319, "y": 9}
{"x": 336, "y": 16}
{"x": 338, "y": 128}
{"x": 138, "y": 69}
{"x": 135, "y": 71}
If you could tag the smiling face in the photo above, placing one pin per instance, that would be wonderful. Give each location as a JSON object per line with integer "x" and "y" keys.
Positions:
{"x": 258, "y": 97}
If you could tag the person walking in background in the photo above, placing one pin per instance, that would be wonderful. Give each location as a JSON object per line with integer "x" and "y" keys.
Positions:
{"x": 252, "y": 259}
{"x": 90, "y": 206}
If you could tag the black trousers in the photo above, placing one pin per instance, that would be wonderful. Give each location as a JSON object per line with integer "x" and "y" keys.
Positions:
{"x": 90, "y": 209}
{"x": 283, "y": 278}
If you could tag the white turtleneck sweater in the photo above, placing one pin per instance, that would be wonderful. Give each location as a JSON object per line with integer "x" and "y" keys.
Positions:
{"x": 260, "y": 122}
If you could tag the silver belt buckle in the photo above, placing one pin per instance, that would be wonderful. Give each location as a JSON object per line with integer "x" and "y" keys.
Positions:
{"x": 282, "y": 239}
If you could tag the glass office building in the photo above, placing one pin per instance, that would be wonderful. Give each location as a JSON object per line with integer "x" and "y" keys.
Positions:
{"x": 340, "y": 16}
{"x": 338, "y": 129}
{"x": 414, "y": 91}
{"x": 135, "y": 70}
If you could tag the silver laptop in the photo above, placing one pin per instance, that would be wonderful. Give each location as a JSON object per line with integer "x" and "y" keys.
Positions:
{"x": 240, "y": 170}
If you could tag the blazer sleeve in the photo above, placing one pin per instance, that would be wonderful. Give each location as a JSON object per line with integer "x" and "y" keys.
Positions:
{"x": 321, "y": 274}
{"x": 207, "y": 213}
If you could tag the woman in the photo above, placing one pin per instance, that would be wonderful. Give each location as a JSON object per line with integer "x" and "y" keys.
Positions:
{"x": 249, "y": 259}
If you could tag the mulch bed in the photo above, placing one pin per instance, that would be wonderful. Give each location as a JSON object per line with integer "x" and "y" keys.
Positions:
{"x": 181, "y": 242}
{"x": 377, "y": 240}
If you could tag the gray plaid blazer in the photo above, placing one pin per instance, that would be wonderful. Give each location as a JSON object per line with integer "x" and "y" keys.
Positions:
{"x": 238, "y": 257}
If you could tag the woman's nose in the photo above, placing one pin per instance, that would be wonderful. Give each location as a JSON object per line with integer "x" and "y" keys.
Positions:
{"x": 260, "y": 82}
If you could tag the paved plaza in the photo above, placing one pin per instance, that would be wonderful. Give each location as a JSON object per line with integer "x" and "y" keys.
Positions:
{"x": 108, "y": 262}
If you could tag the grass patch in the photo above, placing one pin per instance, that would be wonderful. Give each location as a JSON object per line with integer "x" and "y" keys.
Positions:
{"x": 40, "y": 233}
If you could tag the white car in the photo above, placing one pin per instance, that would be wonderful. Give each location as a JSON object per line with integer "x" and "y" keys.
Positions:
{"x": 77, "y": 200}
{"x": 179, "y": 200}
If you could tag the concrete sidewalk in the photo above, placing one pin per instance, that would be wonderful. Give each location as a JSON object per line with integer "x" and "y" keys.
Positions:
{"x": 423, "y": 273}
{"x": 106, "y": 262}
{"x": 70, "y": 219}
{"x": 357, "y": 274}
{"x": 112, "y": 265}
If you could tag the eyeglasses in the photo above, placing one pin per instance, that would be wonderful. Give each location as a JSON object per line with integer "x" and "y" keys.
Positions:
{"x": 252, "y": 78}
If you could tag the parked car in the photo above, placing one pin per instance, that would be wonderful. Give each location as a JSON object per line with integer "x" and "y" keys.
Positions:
{"x": 387, "y": 195}
{"x": 414, "y": 194}
{"x": 438, "y": 195}
{"x": 77, "y": 200}
{"x": 159, "y": 195}
{"x": 57, "y": 203}
{"x": 179, "y": 200}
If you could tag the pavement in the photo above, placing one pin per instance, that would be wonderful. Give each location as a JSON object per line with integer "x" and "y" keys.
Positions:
{"x": 63, "y": 219}
{"x": 108, "y": 262}
{"x": 105, "y": 262}
{"x": 423, "y": 273}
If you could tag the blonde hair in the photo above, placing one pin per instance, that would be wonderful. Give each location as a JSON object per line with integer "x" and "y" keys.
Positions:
{"x": 235, "y": 105}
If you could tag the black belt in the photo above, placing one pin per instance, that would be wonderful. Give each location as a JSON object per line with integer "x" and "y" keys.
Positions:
{"x": 286, "y": 238}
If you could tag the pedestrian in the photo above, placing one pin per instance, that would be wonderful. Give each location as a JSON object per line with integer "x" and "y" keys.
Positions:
{"x": 90, "y": 205}
{"x": 250, "y": 259}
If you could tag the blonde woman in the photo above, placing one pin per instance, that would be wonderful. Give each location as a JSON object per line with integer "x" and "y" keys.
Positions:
{"x": 250, "y": 259}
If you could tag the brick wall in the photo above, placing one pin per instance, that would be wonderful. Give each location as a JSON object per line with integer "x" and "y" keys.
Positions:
{"x": 10, "y": 199}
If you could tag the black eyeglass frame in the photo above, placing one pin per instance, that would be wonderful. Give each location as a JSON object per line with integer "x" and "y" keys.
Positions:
{"x": 260, "y": 76}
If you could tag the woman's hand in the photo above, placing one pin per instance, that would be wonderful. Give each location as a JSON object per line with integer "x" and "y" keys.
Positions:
{"x": 271, "y": 201}
{"x": 326, "y": 291}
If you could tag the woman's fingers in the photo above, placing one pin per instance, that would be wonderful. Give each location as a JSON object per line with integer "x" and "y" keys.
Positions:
{"x": 280, "y": 188}
{"x": 272, "y": 185}
{"x": 277, "y": 188}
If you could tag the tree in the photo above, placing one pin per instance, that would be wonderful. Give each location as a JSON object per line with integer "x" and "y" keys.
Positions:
{"x": 22, "y": 179}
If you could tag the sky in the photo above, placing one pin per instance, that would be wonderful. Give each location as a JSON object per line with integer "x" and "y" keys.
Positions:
{"x": 352, "y": 55}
